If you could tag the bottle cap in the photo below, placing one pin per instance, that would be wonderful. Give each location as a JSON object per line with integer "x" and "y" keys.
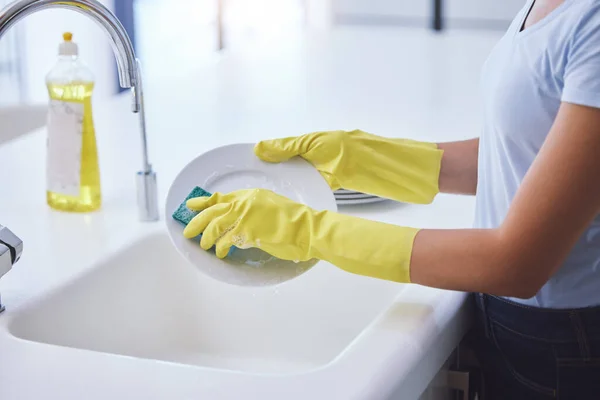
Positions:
{"x": 68, "y": 47}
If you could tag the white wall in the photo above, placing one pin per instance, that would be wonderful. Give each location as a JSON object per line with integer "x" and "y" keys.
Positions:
{"x": 453, "y": 9}
{"x": 483, "y": 9}
{"x": 319, "y": 13}
{"x": 404, "y": 8}
{"x": 42, "y": 35}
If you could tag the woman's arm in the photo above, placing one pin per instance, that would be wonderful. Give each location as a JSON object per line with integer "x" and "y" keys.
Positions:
{"x": 458, "y": 174}
{"x": 555, "y": 203}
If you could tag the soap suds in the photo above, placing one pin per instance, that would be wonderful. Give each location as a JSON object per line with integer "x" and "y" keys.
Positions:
{"x": 258, "y": 263}
{"x": 211, "y": 178}
{"x": 240, "y": 242}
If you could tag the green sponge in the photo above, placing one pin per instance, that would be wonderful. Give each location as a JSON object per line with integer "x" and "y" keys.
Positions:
{"x": 184, "y": 214}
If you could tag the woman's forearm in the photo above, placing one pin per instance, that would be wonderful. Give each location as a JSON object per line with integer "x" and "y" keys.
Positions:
{"x": 458, "y": 174}
{"x": 556, "y": 202}
{"x": 469, "y": 260}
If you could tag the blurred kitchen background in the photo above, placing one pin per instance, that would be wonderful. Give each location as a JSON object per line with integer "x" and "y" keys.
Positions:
{"x": 173, "y": 37}
{"x": 276, "y": 49}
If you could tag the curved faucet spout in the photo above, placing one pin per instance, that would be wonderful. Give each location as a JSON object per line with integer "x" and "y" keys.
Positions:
{"x": 120, "y": 41}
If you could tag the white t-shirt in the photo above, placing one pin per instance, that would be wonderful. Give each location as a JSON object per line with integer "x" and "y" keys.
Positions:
{"x": 524, "y": 80}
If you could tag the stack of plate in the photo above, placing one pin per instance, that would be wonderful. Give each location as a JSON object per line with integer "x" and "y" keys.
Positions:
{"x": 349, "y": 197}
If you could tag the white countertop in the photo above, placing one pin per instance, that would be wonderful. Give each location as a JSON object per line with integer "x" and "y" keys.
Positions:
{"x": 342, "y": 81}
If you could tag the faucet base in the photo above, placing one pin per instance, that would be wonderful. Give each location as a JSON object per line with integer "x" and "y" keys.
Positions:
{"x": 147, "y": 196}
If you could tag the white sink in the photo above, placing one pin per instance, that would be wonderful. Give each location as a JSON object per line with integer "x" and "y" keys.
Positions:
{"x": 147, "y": 302}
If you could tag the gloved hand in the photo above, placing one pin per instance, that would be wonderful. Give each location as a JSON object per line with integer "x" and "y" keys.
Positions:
{"x": 292, "y": 231}
{"x": 398, "y": 169}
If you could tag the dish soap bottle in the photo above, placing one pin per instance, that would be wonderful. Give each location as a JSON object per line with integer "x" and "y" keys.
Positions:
{"x": 72, "y": 171}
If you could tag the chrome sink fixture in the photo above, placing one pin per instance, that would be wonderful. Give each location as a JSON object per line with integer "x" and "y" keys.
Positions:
{"x": 129, "y": 76}
{"x": 11, "y": 248}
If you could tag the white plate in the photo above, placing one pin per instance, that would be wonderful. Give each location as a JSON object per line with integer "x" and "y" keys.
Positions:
{"x": 349, "y": 193}
{"x": 344, "y": 191}
{"x": 352, "y": 196}
{"x": 235, "y": 167}
{"x": 343, "y": 202}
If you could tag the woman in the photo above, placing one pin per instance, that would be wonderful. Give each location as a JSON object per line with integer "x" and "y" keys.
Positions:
{"x": 533, "y": 258}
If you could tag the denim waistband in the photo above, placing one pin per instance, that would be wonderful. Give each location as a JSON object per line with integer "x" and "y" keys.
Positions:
{"x": 549, "y": 324}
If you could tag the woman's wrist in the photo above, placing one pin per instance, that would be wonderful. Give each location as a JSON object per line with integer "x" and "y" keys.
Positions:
{"x": 458, "y": 173}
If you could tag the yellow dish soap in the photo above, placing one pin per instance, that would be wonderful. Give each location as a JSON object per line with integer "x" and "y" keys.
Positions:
{"x": 72, "y": 170}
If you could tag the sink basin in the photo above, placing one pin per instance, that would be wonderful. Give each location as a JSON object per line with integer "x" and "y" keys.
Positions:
{"x": 148, "y": 302}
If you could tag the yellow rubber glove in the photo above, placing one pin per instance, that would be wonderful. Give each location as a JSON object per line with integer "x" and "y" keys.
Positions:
{"x": 292, "y": 231}
{"x": 398, "y": 169}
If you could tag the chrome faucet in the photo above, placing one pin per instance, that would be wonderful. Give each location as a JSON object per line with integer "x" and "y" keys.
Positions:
{"x": 129, "y": 77}
{"x": 11, "y": 248}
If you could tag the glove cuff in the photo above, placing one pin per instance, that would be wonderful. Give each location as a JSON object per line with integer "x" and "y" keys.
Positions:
{"x": 363, "y": 247}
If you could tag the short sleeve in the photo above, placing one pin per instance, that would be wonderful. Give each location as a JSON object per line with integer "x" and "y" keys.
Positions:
{"x": 582, "y": 69}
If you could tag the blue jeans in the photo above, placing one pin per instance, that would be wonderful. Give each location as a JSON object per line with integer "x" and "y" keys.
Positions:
{"x": 529, "y": 353}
